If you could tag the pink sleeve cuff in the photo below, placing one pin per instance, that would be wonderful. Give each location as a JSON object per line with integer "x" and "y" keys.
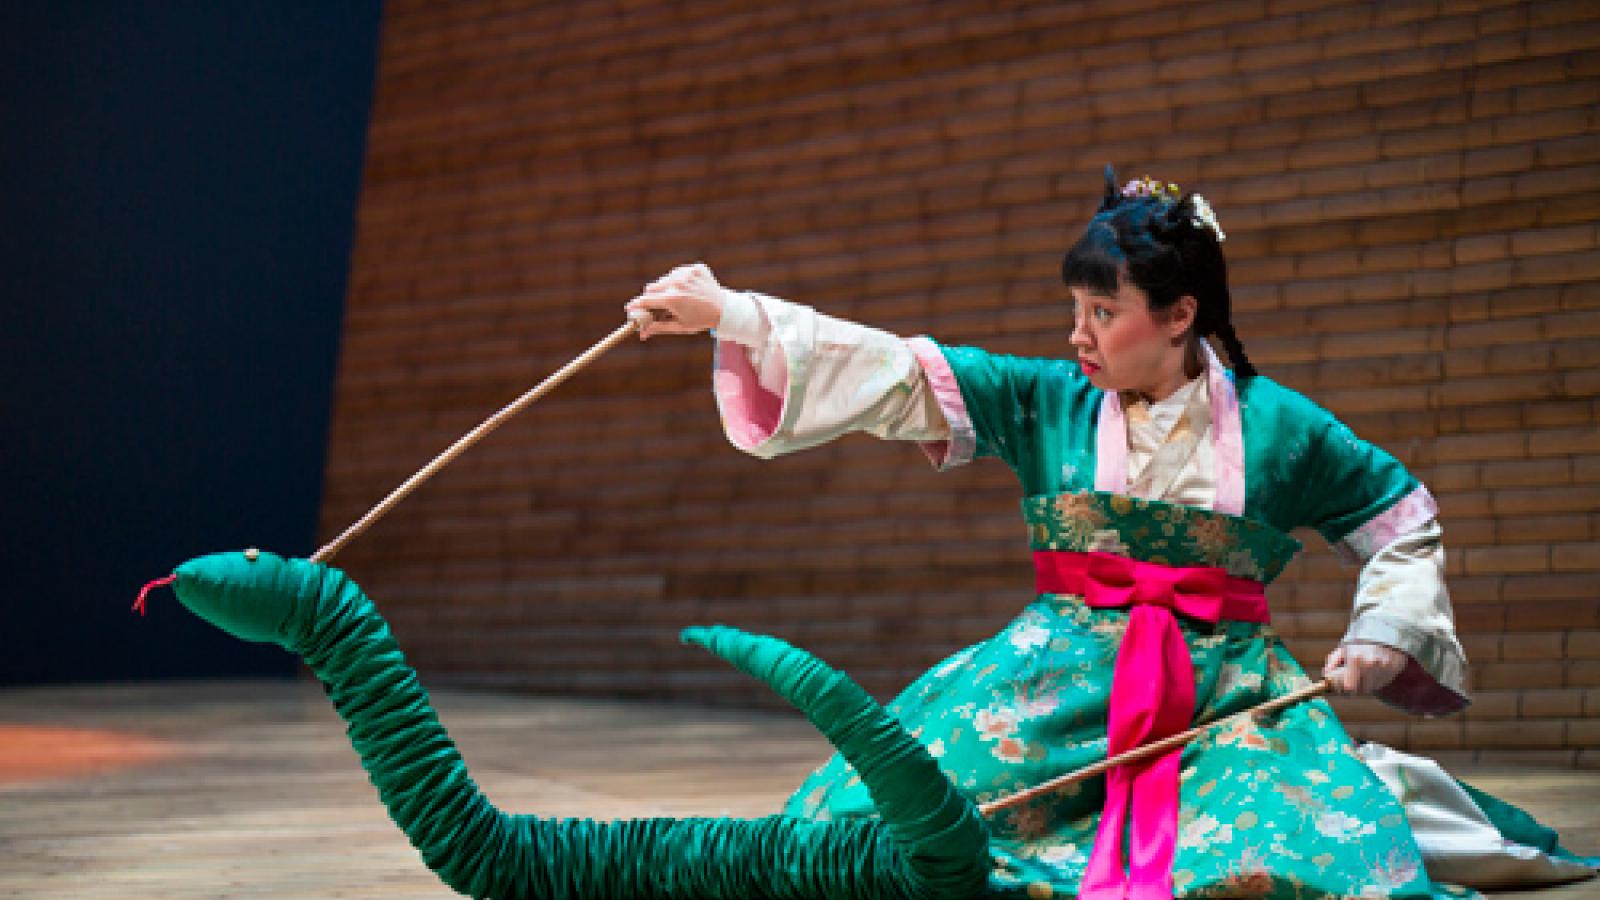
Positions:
{"x": 1411, "y": 512}
{"x": 751, "y": 413}
{"x": 1417, "y": 692}
{"x": 963, "y": 441}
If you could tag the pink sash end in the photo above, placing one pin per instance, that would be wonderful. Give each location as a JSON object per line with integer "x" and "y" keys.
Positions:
{"x": 1152, "y": 696}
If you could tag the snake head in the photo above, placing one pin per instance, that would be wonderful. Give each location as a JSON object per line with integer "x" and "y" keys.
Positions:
{"x": 252, "y": 595}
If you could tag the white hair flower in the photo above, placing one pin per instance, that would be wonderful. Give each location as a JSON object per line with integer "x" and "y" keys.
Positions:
{"x": 1203, "y": 216}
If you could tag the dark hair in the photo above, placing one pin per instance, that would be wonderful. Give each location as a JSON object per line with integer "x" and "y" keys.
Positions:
{"x": 1163, "y": 249}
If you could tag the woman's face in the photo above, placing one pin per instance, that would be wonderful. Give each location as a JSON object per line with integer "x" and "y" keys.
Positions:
{"x": 1122, "y": 347}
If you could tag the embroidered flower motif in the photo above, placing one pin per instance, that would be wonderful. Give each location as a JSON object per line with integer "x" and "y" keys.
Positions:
{"x": 1113, "y": 628}
{"x": 1010, "y": 750}
{"x": 1243, "y": 733}
{"x": 1079, "y": 517}
{"x": 1212, "y": 537}
{"x": 1041, "y": 705}
{"x": 1030, "y": 636}
{"x": 1300, "y": 799}
{"x": 1285, "y": 677}
{"x": 1029, "y": 822}
{"x": 1342, "y": 827}
{"x": 1233, "y": 676}
{"x": 1398, "y": 869}
{"x": 1039, "y": 696}
{"x": 1282, "y": 851}
{"x": 1242, "y": 564}
{"x": 1249, "y": 877}
{"x": 995, "y": 724}
{"x": 1204, "y": 831}
{"x": 1107, "y": 540}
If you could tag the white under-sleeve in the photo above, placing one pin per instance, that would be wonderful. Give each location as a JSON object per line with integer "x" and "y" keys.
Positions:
{"x": 1401, "y": 602}
{"x": 788, "y": 377}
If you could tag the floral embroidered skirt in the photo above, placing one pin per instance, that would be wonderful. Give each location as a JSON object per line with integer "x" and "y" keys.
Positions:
{"x": 1283, "y": 808}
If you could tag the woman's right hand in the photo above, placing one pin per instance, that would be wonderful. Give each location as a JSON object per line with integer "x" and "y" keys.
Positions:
{"x": 1363, "y": 667}
{"x": 687, "y": 300}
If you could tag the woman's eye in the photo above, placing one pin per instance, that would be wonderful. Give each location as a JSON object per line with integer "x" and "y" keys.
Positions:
{"x": 1102, "y": 314}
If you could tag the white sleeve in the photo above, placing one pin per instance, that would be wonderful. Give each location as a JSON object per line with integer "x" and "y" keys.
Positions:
{"x": 788, "y": 377}
{"x": 1401, "y": 602}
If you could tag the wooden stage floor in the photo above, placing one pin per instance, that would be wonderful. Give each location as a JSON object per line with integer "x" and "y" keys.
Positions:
{"x": 249, "y": 789}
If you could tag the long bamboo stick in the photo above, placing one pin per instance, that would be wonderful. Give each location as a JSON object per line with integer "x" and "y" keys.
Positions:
{"x": 1154, "y": 748}
{"x": 472, "y": 437}
{"x": 632, "y": 326}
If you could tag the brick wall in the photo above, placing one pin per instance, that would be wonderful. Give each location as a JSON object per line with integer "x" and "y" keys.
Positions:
{"x": 1409, "y": 191}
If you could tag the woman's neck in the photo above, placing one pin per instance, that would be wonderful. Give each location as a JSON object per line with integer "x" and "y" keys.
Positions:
{"x": 1190, "y": 367}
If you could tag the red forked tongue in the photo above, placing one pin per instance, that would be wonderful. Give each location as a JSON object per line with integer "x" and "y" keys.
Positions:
{"x": 138, "y": 604}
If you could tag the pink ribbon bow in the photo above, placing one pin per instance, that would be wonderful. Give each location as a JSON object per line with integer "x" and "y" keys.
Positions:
{"x": 1152, "y": 696}
{"x": 1195, "y": 591}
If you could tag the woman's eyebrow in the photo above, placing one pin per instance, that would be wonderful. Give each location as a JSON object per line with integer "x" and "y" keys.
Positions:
{"x": 1102, "y": 298}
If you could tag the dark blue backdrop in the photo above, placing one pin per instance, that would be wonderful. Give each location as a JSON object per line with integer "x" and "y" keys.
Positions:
{"x": 177, "y": 196}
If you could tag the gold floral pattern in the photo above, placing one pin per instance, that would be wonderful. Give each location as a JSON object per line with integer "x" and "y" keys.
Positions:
{"x": 1078, "y": 517}
{"x": 1279, "y": 808}
{"x": 1157, "y": 531}
{"x": 1276, "y": 808}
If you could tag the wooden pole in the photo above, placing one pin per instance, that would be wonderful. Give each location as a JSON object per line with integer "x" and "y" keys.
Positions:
{"x": 472, "y": 437}
{"x": 1154, "y": 748}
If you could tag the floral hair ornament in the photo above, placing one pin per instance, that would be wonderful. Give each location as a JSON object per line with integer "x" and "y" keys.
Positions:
{"x": 1204, "y": 217}
{"x": 1149, "y": 187}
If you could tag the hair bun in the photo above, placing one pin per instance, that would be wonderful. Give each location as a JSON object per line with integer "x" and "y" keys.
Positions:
{"x": 1113, "y": 195}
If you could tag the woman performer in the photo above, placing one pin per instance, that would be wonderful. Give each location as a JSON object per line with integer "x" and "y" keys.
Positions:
{"x": 1147, "y": 468}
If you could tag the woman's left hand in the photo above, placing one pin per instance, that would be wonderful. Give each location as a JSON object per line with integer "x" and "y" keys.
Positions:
{"x": 1360, "y": 667}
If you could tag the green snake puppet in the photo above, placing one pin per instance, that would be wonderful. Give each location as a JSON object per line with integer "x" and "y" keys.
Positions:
{"x": 930, "y": 841}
